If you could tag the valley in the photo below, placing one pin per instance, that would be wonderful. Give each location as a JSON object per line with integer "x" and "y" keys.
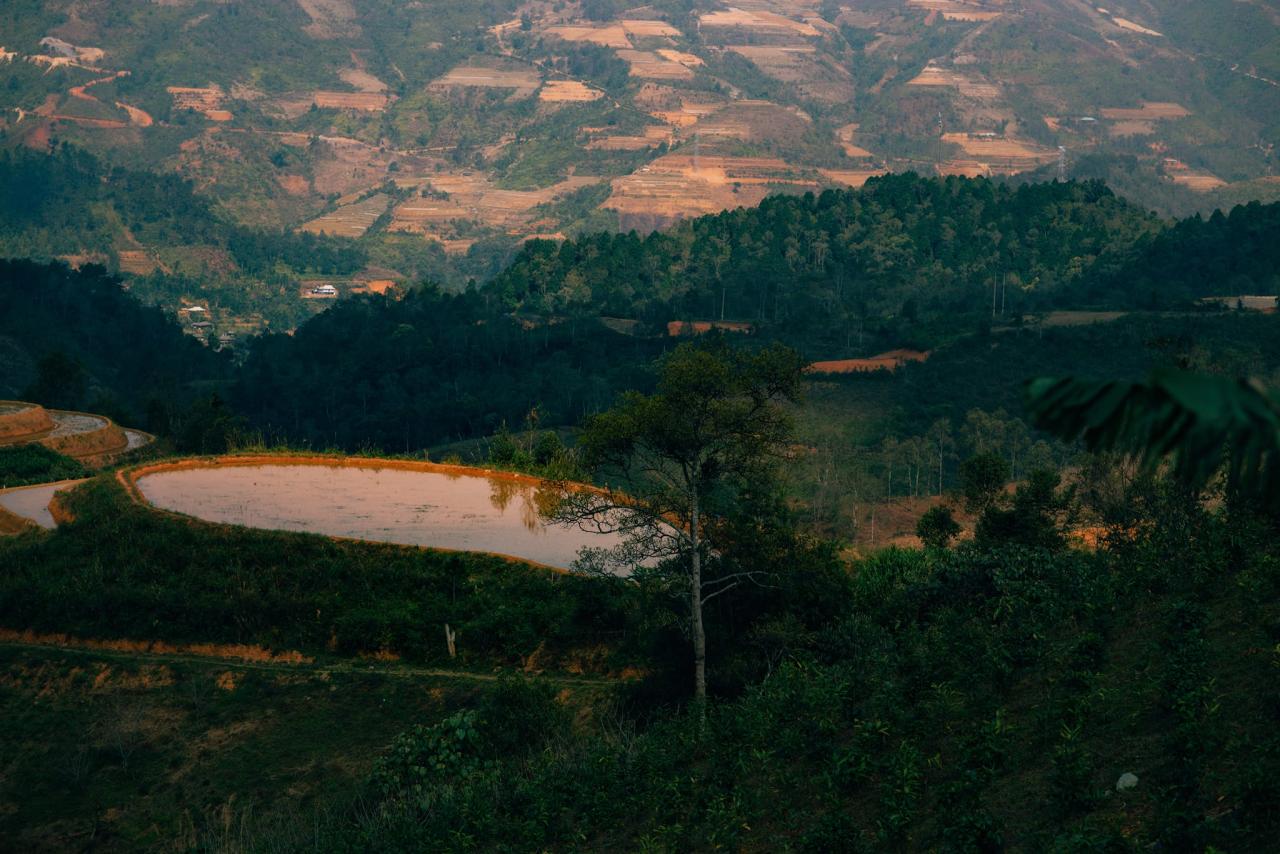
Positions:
{"x": 701, "y": 425}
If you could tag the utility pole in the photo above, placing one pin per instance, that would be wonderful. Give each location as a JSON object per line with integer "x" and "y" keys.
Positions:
{"x": 1062, "y": 163}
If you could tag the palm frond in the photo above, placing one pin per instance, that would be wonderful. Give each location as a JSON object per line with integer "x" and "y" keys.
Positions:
{"x": 1200, "y": 424}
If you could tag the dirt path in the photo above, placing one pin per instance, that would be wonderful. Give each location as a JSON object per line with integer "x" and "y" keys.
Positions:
{"x": 137, "y": 117}
{"x": 354, "y": 668}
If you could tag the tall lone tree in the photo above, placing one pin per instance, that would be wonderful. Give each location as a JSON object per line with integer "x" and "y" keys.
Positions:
{"x": 683, "y": 458}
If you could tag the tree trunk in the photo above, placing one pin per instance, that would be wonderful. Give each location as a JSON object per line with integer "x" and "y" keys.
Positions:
{"x": 695, "y": 605}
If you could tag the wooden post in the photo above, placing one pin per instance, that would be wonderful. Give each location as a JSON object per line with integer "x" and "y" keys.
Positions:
{"x": 449, "y": 636}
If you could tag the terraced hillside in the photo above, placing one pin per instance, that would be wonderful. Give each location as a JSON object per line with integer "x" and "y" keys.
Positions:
{"x": 463, "y": 122}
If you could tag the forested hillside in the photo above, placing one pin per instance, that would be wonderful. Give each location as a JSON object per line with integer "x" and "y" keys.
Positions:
{"x": 907, "y": 261}
{"x": 76, "y": 340}
{"x": 910, "y": 257}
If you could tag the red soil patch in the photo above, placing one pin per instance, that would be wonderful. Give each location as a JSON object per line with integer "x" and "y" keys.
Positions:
{"x": 889, "y": 361}
{"x": 689, "y": 328}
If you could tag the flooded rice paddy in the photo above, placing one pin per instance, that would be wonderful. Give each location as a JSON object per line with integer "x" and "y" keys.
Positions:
{"x": 73, "y": 423}
{"x": 407, "y": 507}
{"x": 32, "y": 502}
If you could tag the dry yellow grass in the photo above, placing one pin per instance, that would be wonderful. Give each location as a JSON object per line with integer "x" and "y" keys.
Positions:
{"x": 1131, "y": 128}
{"x": 606, "y": 36}
{"x": 649, "y": 29}
{"x": 1200, "y": 182}
{"x": 568, "y": 91}
{"x": 854, "y": 178}
{"x": 1132, "y": 27}
{"x": 370, "y": 102}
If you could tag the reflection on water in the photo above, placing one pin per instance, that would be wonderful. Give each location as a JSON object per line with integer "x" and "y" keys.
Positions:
{"x": 536, "y": 502}
{"x": 32, "y": 502}
{"x": 465, "y": 513}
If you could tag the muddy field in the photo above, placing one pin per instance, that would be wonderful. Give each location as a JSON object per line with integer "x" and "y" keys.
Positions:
{"x": 207, "y": 101}
{"x": 847, "y": 137}
{"x": 889, "y": 361}
{"x": 606, "y": 36}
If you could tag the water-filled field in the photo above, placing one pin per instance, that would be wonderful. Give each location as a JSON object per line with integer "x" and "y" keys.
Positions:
{"x": 32, "y": 502}
{"x": 462, "y": 512}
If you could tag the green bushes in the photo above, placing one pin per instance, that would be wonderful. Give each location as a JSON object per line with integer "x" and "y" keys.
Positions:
{"x": 122, "y": 570}
{"x": 970, "y": 701}
{"x": 26, "y": 464}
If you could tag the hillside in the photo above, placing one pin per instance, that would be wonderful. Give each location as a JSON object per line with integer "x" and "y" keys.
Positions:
{"x": 476, "y": 125}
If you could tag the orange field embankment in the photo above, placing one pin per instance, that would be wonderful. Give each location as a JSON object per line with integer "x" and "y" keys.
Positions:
{"x": 28, "y": 423}
{"x": 95, "y": 444}
{"x": 234, "y": 652}
{"x": 11, "y": 523}
{"x": 889, "y": 361}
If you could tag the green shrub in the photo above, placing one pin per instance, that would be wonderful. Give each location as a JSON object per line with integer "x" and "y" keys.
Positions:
{"x": 27, "y": 464}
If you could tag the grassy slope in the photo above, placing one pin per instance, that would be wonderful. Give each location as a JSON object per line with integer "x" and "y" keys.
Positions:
{"x": 126, "y": 752}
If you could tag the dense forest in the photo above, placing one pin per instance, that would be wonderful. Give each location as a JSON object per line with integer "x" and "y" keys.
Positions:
{"x": 76, "y": 340}
{"x": 903, "y": 260}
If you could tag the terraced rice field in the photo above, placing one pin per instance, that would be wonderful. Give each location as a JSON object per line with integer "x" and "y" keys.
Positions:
{"x": 448, "y": 508}
{"x": 679, "y": 185}
{"x": 472, "y": 198}
{"x": 1149, "y": 111}
{"x": 758, "y": 21}
{"x": 568, "y": 91}
{"x": 1003, "y": 155}
{"x": 523, "y": 81}
{"x": 352, "y": 220}
{"x": 31, "y": 503}
{"x": 369, "y": 102}
{"x": 956, "y": 10}
{"x": 654, "y": 66}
